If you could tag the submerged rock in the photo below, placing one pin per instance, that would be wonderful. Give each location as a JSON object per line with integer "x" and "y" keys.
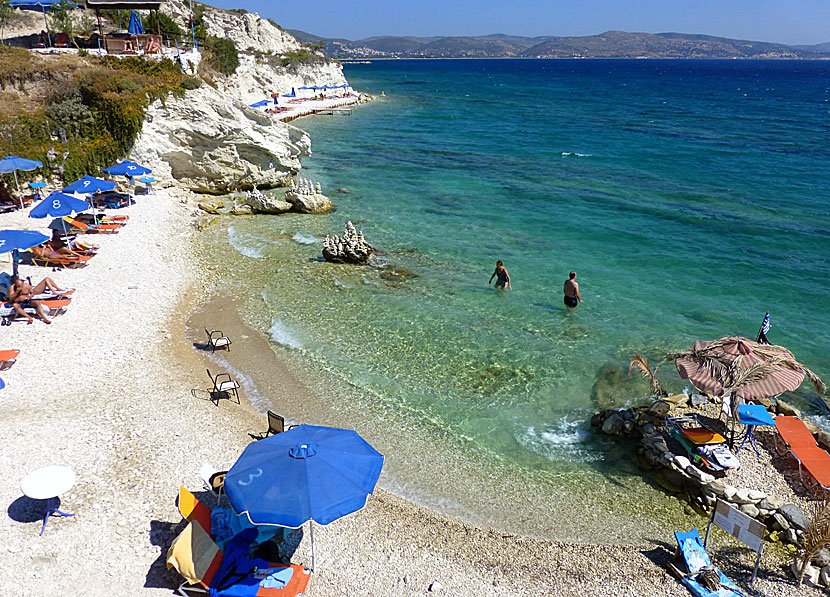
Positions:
{"x": 351, "y": 248}
{"x": 611, "y": 387}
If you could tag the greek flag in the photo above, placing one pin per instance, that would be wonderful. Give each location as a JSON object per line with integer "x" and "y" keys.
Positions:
{"x": 765, "y": 326}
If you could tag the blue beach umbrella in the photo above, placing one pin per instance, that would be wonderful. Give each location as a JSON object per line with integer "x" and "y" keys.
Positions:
{"x": 2, "y": 383}
{"x": 40, "y": 5}
{"x": 12, "y": 163}
{"x": 57, "y": 205}
{"x": 127, "y": 168}
{"x": 89, "y": 185}
{"x": 261, "y": 103}
{"x": 308, "y": 473}
{"x": 37, "y": 186}
{"x": 16, "y": 240}
{"x": 135, "y": 27}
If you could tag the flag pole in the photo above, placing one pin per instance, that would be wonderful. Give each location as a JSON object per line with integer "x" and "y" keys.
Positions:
{"x": 761, "y": 335}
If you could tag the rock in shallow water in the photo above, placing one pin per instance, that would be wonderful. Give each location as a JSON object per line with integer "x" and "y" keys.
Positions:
{"x": 351, "y": 248}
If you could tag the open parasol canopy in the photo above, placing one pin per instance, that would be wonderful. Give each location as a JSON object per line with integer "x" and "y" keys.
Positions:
{"x": 307, "y": 473}
{"x": 741, "y": 367}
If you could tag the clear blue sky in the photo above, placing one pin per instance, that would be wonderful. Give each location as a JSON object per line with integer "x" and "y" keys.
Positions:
{"x": 783, "y": 21}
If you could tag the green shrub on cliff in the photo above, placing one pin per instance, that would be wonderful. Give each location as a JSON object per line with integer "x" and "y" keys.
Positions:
{"x": 221, "y": 55}
{"x": 95, "y": 118}
{"x": 292, "y": 60}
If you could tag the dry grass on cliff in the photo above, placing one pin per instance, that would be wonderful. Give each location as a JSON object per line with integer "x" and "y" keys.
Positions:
{"x": 29, "y": 79}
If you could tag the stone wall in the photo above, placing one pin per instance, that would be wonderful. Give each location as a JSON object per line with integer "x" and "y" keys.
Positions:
{"x": 676, "y": 473}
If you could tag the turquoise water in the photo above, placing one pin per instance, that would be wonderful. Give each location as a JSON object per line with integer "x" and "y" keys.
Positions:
{"x": 690, "y": 197}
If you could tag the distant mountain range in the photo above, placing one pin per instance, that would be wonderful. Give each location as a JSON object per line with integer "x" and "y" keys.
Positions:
{"x": 611, "y": 44}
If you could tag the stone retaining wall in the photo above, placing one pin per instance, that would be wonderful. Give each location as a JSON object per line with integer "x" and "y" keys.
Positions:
{"x": 785, "y": 522}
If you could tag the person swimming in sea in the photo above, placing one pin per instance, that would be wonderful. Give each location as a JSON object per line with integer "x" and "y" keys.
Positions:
{"x": 572, "y": 298}
{"x": 502, "y": 277}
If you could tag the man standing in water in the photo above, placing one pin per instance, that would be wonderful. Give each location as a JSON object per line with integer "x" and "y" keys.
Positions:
{"x": 502, "y": 277}
{"x": 572, "y": 298}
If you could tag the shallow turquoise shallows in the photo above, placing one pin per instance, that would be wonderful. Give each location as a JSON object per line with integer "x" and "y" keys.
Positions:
{"x": 690, "y": 197}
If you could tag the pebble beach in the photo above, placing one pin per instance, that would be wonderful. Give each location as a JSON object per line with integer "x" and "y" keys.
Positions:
{"x": 106, "y": 390}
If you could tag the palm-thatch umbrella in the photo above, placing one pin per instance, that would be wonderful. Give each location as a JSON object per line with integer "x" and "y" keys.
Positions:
{"x": 737, "y": 367}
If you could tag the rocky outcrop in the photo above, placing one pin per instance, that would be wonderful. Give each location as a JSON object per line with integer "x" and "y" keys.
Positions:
{"x": 249, "y": 31}
{"x": 306, "y": 199}
{"x": 351, "y": 248}
{"x": 261, "y": 203}
{"x": 210, "y": 143}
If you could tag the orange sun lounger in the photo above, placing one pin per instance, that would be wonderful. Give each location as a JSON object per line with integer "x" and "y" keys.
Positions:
{"x": 8, "y": 358}
{"x": 60, "y": 261}
{"x": 802, "y": 445}
{"x": 93, "y": 228}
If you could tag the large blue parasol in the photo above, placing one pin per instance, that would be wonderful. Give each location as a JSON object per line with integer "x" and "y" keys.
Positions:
{"x": 12, "y": 163}
{"x": 15, "y": 240}
{"x": 57, "y": 205}
{"x": 308, "y": 473}
{"x": 89, "y": 185}
{"x": 127, "y": 168}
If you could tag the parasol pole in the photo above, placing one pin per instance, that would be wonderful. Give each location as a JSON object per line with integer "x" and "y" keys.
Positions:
{"x": 19, "y": 192}
{"x": 311, "y": 528}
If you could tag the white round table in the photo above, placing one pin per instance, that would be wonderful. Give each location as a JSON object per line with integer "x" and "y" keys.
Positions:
{"x": 48, "y": 483}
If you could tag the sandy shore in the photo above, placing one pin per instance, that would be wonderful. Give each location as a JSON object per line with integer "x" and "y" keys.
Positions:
{"x": 106, "y": 389}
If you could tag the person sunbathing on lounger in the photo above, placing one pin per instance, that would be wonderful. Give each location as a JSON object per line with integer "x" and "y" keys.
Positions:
{"x": 58, "y": 247}
{"x": 20, "y": 287}
{"x": 47, "y": 251}
{"x": 21, "y": 296}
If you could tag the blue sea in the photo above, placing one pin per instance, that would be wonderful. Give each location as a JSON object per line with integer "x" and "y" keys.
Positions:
{"x": 690, "y": 196}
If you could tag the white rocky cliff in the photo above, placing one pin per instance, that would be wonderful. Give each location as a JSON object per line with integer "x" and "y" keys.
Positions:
{"x": 210, "y": 141}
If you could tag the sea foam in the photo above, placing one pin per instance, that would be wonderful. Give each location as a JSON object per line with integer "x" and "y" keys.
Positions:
{"x": 245, "y": 243}
{"x": 304, "y": 239}
{"x": 280, "y": 334}
{"x": 564, "y": 440}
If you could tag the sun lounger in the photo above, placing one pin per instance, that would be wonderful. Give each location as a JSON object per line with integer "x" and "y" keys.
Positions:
{"x": 8, "y": 358}
{"x": 694, "y": 568}
{"x": 802, "y": 445}
{"x": 53, "y": 308}
{"x": 78, "y": 227}
{"x": 716, "y": 458}
{"x": 695, "y": 431}
{"x": 60, "y": 261}
{"x": 233, "y": 573}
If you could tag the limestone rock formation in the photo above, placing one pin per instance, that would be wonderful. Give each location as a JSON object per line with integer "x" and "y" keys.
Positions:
{"x": 265, "y": 204}
{"x": 351, "y": 248}
{"x": 307, "y": 199}
{"x": 210, "y": 143}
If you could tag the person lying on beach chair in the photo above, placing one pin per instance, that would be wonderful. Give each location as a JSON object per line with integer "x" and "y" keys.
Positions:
{"x": 44, "y": 255}
{"x": 58, "y": 246}
{"x": 20, "y": 289}
{"x": 21, "y": 308}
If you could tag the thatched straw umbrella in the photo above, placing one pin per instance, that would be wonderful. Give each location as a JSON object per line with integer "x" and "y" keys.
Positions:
{"x": 740, "y": 368}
